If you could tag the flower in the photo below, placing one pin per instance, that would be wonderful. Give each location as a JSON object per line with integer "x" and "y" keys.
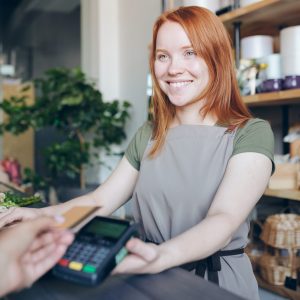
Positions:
{"x": 2, "y": 197}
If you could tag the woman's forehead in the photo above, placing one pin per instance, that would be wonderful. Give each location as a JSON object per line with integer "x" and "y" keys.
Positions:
{"x": 172, "y": 34}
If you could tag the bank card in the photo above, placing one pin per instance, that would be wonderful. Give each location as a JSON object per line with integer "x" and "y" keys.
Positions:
{"x": 76, "y": 215}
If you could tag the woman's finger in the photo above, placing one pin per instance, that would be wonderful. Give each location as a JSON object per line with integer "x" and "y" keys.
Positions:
{"x": 146, "y": 251}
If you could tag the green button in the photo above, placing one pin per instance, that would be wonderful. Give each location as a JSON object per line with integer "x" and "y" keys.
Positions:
{"x": 121, "y": 254}
{"x": 89, "y": 269}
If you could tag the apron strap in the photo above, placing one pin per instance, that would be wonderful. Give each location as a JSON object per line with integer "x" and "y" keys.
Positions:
{"x": 212, "y": 263}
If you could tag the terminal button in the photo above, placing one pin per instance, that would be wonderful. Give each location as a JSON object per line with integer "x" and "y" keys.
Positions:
{"x": 63, "y": 262}
{"x": 89, "y": 269}
{"x": 74, "y": 265}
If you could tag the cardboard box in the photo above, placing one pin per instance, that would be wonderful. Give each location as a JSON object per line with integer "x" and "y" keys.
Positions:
{"x": 285, "y": 177}
{"x": 295, "y": 148}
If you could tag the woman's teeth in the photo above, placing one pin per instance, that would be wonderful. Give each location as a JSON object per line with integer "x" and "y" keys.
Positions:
{"x": 179, "y": 84}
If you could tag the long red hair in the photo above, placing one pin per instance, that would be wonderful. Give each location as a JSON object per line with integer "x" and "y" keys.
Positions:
{"x": 211, "y": 42}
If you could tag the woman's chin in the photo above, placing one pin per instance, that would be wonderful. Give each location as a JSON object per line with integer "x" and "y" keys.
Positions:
{"x": 179, "y": 101}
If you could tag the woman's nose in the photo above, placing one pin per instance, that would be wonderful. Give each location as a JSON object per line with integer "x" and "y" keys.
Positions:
{"x": 175, "y": 67}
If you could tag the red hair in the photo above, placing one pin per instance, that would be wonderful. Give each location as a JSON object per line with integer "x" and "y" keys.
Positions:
{"x": 211, "y": 42}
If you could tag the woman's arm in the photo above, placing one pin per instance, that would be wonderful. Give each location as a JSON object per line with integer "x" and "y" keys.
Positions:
{"x": 110, "y": 195}
{"x": 244, "y": 182}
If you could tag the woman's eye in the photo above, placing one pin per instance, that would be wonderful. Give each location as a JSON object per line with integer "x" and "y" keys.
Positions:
{"x": 162, "y": 57}
{"x": 190, "y": 53}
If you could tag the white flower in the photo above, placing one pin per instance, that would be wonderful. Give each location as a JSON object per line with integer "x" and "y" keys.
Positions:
{"x": 2, "y": 197}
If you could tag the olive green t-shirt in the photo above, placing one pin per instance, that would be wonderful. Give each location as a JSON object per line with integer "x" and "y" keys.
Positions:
{"x": 255, "y": 136}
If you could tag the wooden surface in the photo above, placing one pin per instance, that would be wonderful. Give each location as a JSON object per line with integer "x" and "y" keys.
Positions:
{"x": 21, "y": 146}
{"x": 264, "y": 17}
{"x": 285, "y": 194}
{"x": 278, "y": 289}
{"x": 275, "y": 98}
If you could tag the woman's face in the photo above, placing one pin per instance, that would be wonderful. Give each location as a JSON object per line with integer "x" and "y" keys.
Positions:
{"x": 181, "y": 74}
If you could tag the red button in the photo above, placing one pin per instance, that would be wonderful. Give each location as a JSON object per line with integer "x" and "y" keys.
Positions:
{"x": 63, "y": 262}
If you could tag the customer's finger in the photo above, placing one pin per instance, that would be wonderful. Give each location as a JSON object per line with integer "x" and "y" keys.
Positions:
{"x": 9, "y": 216}
{"x": 37, "y": 269}
{"x": 44, "y": 245}
{"x": 42, "y": 241}
{"x": 26, "y": 232}
{"x": 45, "y": 238}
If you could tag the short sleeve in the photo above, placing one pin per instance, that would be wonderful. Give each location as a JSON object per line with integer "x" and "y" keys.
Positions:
{"x": 136, "y": 148}
{"x": 255, "y": 136}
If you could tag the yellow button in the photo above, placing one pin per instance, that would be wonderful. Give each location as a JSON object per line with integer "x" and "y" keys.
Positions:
{"x": 75, "y": 266}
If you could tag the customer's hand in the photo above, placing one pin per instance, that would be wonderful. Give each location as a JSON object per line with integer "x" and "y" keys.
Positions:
{"x": 142, "y": 258}
{"x": 18, "y": 214}
{"x": 28, "y": 250}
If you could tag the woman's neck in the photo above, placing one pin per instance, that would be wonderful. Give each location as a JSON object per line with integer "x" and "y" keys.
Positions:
{"x": 186, "y": 116}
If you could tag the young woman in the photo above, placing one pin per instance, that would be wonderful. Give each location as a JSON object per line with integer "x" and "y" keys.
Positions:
{"x": 197, "y": 170}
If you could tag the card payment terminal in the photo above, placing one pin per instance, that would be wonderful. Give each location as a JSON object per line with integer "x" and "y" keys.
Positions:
{"x": 98, "y": 247}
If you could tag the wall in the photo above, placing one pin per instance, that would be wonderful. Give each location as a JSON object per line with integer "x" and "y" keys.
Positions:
{"x": 135, "y": 36}
{"x": 56, "y": 39}
{"x": 121, "y": 31}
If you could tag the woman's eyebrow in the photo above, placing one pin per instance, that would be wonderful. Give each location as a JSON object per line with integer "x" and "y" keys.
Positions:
{"x": 187, "y": 47}
{"x": 183, "y": 48}
{"x": 161, "y": 50}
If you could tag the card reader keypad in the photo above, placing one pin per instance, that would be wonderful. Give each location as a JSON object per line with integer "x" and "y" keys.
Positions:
{"x": 85, "y": 255}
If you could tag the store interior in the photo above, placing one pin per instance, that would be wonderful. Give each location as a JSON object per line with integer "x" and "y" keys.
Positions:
{"x": 106, "y": 43}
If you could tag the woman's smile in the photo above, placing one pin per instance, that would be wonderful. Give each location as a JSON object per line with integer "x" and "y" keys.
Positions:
{"x": 179, "y": 83}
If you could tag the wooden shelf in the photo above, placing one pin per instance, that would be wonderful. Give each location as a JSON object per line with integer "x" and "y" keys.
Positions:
{"x": 285, "y": 194}
{"x": 264, "y": 17}
{"x": 278, "y": 289}
{"x": 275, "y": 98}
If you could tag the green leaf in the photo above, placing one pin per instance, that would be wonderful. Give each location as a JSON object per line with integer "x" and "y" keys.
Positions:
{"x": 72, "y": 100}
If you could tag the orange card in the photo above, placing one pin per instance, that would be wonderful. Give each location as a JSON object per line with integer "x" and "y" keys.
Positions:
{"x": 76, "y": 215}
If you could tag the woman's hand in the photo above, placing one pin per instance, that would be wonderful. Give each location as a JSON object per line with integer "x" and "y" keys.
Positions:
{"x": 142, "y": 258}
{"x": 18, "y": 214}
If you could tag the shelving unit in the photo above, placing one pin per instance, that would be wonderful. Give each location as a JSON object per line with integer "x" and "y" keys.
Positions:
{"x": 285, "y": 194}
{"x": 275, "y": 98}
{"x": 266, "y": 17}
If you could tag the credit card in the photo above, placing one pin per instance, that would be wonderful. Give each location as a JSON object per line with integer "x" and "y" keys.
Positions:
{"x": 76, "y": 215}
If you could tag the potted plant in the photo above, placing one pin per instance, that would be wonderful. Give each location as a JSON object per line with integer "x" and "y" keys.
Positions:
{"x": 67, "y": 102}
